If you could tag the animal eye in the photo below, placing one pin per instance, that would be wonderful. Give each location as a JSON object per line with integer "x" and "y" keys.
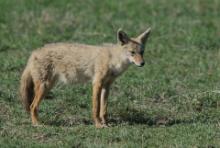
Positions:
{"x": 132, "y": 52}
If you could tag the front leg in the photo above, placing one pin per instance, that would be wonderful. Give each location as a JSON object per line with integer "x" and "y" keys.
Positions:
{"x": 97, "y": 86}
{"x": 104, "y": 103}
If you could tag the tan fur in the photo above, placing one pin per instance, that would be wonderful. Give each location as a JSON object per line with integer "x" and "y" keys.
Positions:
{"x": 79, "y": 63}
{"x": 26, "y": 89}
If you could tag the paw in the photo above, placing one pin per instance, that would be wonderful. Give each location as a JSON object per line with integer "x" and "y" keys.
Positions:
{"x": 105, "y": 125}
{"x": 100, "y": 125}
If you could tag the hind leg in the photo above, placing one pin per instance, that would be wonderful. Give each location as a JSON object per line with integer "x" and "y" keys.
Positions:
{"x": 40, "y": 89}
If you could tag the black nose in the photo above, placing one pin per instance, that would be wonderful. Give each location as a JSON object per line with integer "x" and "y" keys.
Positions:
{"x": 142, "y": 63}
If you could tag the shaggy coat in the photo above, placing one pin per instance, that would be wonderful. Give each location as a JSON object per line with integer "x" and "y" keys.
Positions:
{"x": 79, "y": 63}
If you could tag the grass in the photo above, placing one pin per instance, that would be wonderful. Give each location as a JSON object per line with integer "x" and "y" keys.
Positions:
{"x": 173, "y": 101}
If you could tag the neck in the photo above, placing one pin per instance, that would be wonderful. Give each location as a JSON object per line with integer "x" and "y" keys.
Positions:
{"x": 120, "y": 61}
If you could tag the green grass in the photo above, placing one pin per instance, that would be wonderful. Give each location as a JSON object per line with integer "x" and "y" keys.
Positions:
{"x": 172, "y": 102}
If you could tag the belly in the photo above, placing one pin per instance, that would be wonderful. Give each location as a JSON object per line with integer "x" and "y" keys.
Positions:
{"x": 76, "y": 76}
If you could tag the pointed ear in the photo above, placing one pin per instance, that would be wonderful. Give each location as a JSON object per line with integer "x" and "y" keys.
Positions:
{"x": 144, "y": 36}
{"x": 122, "y": 37}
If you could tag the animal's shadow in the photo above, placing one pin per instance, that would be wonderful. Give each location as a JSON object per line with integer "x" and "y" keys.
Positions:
{"x": 133, "y": 116}
{"x": 130, "y": 117}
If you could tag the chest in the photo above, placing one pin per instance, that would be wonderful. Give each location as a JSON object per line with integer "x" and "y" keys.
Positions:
{"x": 118, "y": 69}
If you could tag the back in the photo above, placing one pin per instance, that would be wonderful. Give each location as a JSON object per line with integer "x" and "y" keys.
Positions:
{"x": 68, "y": 62}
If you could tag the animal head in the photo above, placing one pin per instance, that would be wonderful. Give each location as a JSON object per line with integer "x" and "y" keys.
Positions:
{"x": 134, "y": 47}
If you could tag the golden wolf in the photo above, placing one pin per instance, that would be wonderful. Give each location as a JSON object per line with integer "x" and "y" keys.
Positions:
{"x": 73, "y": 63}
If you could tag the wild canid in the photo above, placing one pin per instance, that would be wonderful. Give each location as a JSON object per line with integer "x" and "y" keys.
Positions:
{"x": 73, "y": 63}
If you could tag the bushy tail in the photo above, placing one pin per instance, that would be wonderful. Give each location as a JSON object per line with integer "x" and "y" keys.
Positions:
{"x": 26, "y": 89}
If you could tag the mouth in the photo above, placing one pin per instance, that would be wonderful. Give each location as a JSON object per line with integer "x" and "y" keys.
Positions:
{"x": 139, "y": 65}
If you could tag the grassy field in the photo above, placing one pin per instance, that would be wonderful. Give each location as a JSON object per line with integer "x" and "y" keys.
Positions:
{"x": 173, "y": 101}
